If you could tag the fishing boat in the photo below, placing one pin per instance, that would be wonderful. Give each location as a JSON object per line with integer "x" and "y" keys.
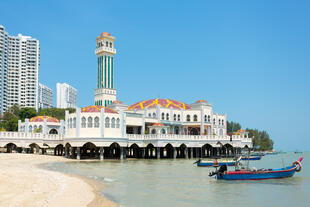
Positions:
{"x": 261, "y": 174}
{"x": 252, "y": 157}
{"x": 216, "y": 163}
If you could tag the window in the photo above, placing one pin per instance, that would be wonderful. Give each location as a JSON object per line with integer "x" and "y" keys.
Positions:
{"x": 223, "y": 122}
{"x": 154, "y": 115}
{"x": 30, "y": 128}
{"x": 96, "y": 124}
{"x": 107, "y": 122}
{"x": 163, "y": 131}
{"x": 70, "y": 123}
{"x": 153, "y": 131}
{"x": 83, "y": 124}
{"x": 110, "y": 44}
{"x": 219, "y": 122}
{"x": 117, "y": 123}
{"x": 206, "y": 118}
{"x": 107, "y": 44}
{"x": 90, "y": 122}
{"x": 150, "y": 115}
{"x": 179, "y": 117}
{"x": 174, "y": 117}
{"x": 35, "y": 127}
{"x": 188, "y": 118}
{"x": 167, "y": 116}
{"x": 209, "y": 118}
{"x": 195, "y": 117}
{"x": 163, "y": 116}
{"x": 74, "y": 122}
{"x": 213, "y": 121}
{"x": 113, "y": 122}
{"x": 40, "y": 128}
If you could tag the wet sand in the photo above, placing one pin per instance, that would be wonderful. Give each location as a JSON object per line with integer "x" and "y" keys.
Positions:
{"x": 24, "y": 183}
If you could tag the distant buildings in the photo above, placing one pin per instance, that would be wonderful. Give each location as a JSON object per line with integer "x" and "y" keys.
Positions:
{"x": 45, "y": 96}
{"x": 19, "y": 70}
{"x": 66, "y": 96}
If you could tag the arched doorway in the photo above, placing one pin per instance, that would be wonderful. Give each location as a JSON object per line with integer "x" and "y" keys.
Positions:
{"x": 168, "y": 151}
{"x": 113, "y": 152}
{"x": 59, "y": 150}
{"x": 228, "y": 150}
{"x": 53, "y": 131}
{"x": 207, "y": 150}
{"x": 182, "y": 151}
{"x": 193, "y": 131}
{"x": 150, "y": 151}
{"x": 10, "y": 147}
{"x": 89, "y": 151}
{"x": 133, "y": 151}
{"x": 176, "y": 130}
{"x": 34, "y": 148}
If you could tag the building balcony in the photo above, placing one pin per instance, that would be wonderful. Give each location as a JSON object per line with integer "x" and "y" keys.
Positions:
{"x": 105, "y": 49}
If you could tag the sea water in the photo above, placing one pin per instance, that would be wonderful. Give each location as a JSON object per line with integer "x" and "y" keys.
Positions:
{"x": 180, "y": 183}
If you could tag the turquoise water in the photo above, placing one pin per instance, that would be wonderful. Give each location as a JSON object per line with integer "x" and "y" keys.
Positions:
{"x": 180, "y": 183}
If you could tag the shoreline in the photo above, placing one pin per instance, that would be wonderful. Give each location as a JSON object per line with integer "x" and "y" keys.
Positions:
{"x": 26, "y": 182}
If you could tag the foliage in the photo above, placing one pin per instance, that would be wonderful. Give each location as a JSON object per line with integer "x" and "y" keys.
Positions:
{"x": 232, "y": 126}
{"x": 55, "y": 112}
{"x": 10, "y": 125}
{"x": 261, "y": 140}
{"x": 26, "y": 113}
{"x": 14, "y": 109}
{"x": 8, "y": 116}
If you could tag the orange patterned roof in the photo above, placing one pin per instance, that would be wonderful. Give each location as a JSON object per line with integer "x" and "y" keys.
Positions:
{"x": 105, "y": 33}
{"x": 41, "y": 119}
{"x": 97, "y": 109}
{"x": 164, "y": 103}
{"x": 241, "y": 130}
{"x": 158, "y": 124}
{"x": 119, "y": 102}
{"x": 201, "y": 101}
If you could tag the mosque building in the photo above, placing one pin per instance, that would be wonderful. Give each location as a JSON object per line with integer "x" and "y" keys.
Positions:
{"x": 153, "y": 128}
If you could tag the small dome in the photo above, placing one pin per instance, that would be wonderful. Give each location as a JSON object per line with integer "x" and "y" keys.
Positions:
{"x": 158, "y": 124}
{"x": 98, "y": 109}
{"x": 241, "y": 130}
{"x": 105, "y": 34}
{"x": 201, "y": 101}
{"x": 164, "y": 103}
{"x": 41, "y": 119}
{"x": 117, "y": 101}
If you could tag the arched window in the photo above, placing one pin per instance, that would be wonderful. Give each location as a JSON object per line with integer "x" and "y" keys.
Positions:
{"x": 221, "y": 132}
{"x": 107, "y": 44}
{"x": 89, "y": 122}
{"x": 214, "y": 121}
{"x": 188, "y": 118}
{"x": 40, "y": 128}
{"x": 163, "y": 116}
{"x": 96, "y": 125}
{"x": 154, "y": 115}
{"x": 110, "y": 44}
{"x": 118, "y": 123}
{"x": 35, "y": 127}
{"x": 167, "y": 116}
{"x": 219, "y": 123}
{"x": 223, "y": 122}
{"x": 107, "y": 122}
{"x": 163, "y": 131}
{"x": 209, "y": 118}
{"x": 74, "y": 122}
{"x": 153, "y": 131}
{"x": 83, "y": 124}
{"x": 179, "y": 117}
{"x": 150, "y": 115}
{"x": 195, "y": 117}
{"x": 174, "y": 117}
{"x": 70, "y": 123}
{"x": 113, "y": 122}
{"x": 30, "y": 129}
{"x": 206, "y": 118}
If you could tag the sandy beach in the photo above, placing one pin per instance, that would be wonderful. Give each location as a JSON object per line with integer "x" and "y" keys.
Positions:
{"x": 24, "y": 183}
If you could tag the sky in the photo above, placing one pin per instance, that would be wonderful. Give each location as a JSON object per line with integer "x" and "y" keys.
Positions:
{"x": 249, "y": 59}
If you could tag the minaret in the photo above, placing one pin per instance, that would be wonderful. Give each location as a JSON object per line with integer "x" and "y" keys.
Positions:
{"x": 105, "y": 92}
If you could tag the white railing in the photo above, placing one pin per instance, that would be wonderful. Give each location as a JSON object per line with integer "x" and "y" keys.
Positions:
{"x": 182, "y": 137}
{"x": 23, "y": 135}
{"x": 105, "y": 49}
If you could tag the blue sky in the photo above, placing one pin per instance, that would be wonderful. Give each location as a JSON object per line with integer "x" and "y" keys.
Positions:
{"x": 250, "y": 59}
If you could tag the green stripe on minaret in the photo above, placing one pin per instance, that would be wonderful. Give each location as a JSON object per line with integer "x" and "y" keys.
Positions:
{"x": 105, "y": 71}
{"x": 109, "y": 72}
{"x": 112, "y": 71}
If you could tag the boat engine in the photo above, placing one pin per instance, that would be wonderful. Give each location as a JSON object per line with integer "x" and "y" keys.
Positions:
{"x": 222, "y": 169}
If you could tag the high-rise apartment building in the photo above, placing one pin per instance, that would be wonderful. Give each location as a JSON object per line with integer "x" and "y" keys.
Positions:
{"x": 66, "y": 96}
{"x": 45, "y": 95}
{"x": 19, "y": 66}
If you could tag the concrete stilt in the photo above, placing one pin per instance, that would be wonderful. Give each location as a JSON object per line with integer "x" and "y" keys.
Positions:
{"x": 67, "y": 152}
{"x": 158, "y": 152}
{"x": 101, "y": 153}
{"x": 78, "y": 151}
{"x": 121, "y": 153}
{"x": 175, "y": 153}
{"x": 143, "y": 152}
{"x": 192, "y": 152}
{"x": 185, "y": 153}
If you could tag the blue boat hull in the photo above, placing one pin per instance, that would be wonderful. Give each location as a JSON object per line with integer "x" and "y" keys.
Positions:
{"x": 211, "y": 164}
{"x": 250, "y": 158}
{"x": 259, "y": 175}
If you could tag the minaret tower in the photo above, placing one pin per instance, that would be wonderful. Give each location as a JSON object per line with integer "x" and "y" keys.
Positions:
{"x": 105, "y": 92}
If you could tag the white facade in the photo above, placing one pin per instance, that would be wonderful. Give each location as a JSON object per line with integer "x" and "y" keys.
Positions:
{"x": 105, "y": 92}
{"x": 66, "y": 96}
{"x": 19, "y": 66}
{"x": 45, "y": 96}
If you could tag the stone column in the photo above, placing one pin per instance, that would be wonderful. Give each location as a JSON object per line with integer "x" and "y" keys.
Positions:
{"x": 186, "y": 153}
{"x": 175, "y": 153}
{"x": 37, "y": 149}
{"x": 44, "y": 130}
{"x": 202, "y": 130}
{"x": 66, "y": 121}
{"x": 143, "y": 123}
{"x": 27, "y": 125}
{"x": 101, "y": 153}
{"x": 78, "y": 122}
{"x": 78, "y": 156}
{"x": 192, "y": 152}
{"x": 158, "y": 152}
{"x": 143, "y": 152}
{"x": 102, "y": 124}
{"x": 66, "y": 152}
{"x": 121, "y": 153}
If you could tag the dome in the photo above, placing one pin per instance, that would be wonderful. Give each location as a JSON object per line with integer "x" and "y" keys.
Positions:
{"x": 119, "y": 102}
{"x": 105, "y": 34}
{"x": 41, "y": 119}
{"x": 201, "y": 101}
{"x": 97, "y": 109}
{"x": 164, "y": 103}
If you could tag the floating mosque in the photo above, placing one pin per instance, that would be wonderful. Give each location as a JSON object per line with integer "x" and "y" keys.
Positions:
{"x": 110, "y": 129}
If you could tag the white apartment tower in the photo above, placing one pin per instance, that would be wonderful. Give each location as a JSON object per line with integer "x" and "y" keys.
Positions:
{"x": 19, "y": 66}
{"x": 66, "y": 96}
{"x": 105, "y": 92}
{"x": 45, "y": 95}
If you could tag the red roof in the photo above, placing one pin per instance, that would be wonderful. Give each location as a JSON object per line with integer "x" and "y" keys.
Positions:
{"x": 119, "y": 102}
{"x": 158, "y": 124}
{"x": 41, "y": 119}
{"x": 164, "y": 103}
{"x": 97, "y": 109}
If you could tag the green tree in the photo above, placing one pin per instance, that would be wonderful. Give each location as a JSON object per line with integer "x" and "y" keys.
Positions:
{"x": 26, "y": 113}
{"x": 14, "y": 109}
{"x": 8, "y": 116}
{"x": 55, "y": 112}
{"x": 11, "y": 125}
{"x": 232, "y": 126}
{"x": 261, "y": 140}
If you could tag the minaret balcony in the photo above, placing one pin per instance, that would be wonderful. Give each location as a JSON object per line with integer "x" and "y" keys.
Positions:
{"x": 105, "y": 49}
